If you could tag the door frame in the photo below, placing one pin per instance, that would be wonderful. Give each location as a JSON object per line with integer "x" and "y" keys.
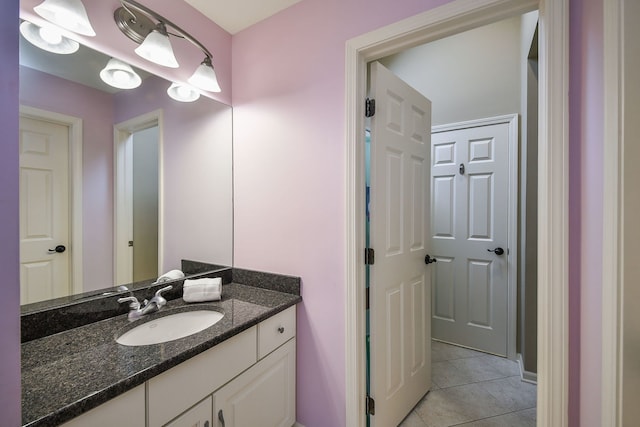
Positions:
{"x": 615, "y": 276}
{"x": 122, "y": 259}
{"x": 451, "y": 18}
{"x": 75, "y": 180}
{"x": 512, "y": 216}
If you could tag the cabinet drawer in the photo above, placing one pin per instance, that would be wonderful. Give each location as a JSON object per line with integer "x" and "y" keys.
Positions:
{"x": 175, "y": 390}
{"x": 276, "y": 330}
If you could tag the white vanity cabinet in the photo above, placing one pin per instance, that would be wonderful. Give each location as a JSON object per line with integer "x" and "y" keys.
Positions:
{"x": 198, "y": 416}
{"x": 262, "y": 396}
{"x": 176, "y": 390}
{"x": 126, "y": 410}
{"x": 248, "y": 380}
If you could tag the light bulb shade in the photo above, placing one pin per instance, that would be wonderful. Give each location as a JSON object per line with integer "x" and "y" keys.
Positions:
{"x": 69, "y": 14}
{"x": 120, "y": 75}
{"x": 205, "y": 77}
{"x": 182, "y": 93}
{"x": 48, "y": 38}
{"x": 156, "y": 47}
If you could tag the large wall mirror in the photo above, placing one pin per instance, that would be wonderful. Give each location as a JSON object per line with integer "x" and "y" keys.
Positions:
{"x": 116, "y": 186}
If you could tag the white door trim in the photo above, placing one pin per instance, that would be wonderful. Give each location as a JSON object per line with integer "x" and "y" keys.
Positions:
{"x": 75, "y": 174}
{"x": 512, "y": 217}
{"x": 451, "y": 18}
{"x": 122, "y": 203}
{"x": 612, "y": 249}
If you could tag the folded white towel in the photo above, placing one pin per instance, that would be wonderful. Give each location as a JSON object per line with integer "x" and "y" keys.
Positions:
{"x": 170, "y": 275}
{"x": 199, "y": 290}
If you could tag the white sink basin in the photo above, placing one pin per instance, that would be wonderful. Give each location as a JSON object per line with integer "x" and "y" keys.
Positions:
{"x": 169, "y": 328}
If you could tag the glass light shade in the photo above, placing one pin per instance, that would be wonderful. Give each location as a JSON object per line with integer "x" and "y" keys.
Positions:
{"x": 120, "y": 75}
{"x": 69, "y": 14}
{"x": 182, "y": 93}
{"x": 205, "y": 77}
{"x": 48, "y": 38}
{"x": 156, "y": 47}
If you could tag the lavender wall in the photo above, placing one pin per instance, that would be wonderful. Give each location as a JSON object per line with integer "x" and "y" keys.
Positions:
{"x": 586, "y": 133}
{"x": 95, "y": 108}
{"x": 288, "y": 98}
{"x": 9, "y": 254}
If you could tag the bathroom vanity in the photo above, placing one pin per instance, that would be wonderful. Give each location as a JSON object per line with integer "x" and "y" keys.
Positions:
{"x": 238, "y": 372}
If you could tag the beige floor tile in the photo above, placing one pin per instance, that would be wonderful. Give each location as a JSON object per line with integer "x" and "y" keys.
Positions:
{"x": 412, "y": 420}
{"x": 514, "y": 419}
{"x": 456, "y": 405}
{"x": 442, "y": 351}
{"x": 512, "y": 392}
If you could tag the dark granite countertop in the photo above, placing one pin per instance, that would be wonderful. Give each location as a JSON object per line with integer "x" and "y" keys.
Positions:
{"x": 71, "y": 372}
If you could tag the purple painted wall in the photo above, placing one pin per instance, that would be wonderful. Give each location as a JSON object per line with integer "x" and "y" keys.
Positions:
{"x": 586, "y": 135}
{"x": 95, "y": 108}
{"x": 9, "y": 254}
{"x": 288, "y": 98}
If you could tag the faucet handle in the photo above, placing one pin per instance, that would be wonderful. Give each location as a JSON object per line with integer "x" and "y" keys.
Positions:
{"x": 160, "y": 300}
{"x": 134, "y": 304}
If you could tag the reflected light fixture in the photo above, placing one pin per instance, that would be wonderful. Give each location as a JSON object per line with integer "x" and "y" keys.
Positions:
{"x": 120, "y": 75}
{"x": 149, "y": 30}
{"x": 68, "y": 14}
{"x": 183, "y": 93}
{"x": 48, "y": 38}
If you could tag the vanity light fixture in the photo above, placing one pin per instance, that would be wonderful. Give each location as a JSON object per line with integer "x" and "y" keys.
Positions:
{"x": 120, "y": 75}
{"x": 149, "y": 29}
{"x": 48, "y": 38}
{"x": 68, "y": 14}
{"x": 182, "y": 93}
{"x": 156, "y": 47}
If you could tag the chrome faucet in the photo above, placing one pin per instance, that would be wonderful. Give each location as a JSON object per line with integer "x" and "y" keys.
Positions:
{"x": 138, "y": 310}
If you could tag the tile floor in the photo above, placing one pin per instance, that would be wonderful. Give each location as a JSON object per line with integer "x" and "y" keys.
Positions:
{"x": 473, "y": 389}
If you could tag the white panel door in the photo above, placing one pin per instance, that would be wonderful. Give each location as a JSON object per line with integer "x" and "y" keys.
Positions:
{"x": 469, "y": 211}
{"x": 44, "y": 210}
{"x": 400, "y": 290}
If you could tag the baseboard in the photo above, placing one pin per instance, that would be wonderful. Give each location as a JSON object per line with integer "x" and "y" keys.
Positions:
{"x": 526, "y": 376}
{"x": 297, "y": 424}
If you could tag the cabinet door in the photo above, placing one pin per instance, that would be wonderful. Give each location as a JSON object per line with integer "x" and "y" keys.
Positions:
{"x": 262, "y": 396}
{"x": 198, "y": 416}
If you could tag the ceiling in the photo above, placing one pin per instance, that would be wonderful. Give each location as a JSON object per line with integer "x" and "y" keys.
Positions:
{"x": 236, "y": 15}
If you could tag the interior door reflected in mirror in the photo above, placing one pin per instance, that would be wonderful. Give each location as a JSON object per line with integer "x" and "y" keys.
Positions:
{"x": 72, "y": 128}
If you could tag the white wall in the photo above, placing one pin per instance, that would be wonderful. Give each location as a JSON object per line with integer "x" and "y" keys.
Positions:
{"x": 468, "y": 76}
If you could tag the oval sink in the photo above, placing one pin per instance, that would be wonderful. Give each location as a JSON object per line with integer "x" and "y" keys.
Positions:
{"x": 169, "y": 328}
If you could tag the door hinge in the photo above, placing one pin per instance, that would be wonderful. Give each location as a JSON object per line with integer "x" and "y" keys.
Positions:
{"x": 369, "y": 256}
{"x": 370, "y": 405}
{"x": 369, "y": 107}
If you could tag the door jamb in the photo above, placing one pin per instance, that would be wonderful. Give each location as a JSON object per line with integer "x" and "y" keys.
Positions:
{"x": 512, "y": 218}
{"x": 451, "y": 18}
{"x": 75, "y": 197}
{"x": 121, "y": 135}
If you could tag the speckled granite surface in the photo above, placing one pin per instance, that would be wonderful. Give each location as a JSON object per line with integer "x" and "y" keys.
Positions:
{"x": 71, "y": 372}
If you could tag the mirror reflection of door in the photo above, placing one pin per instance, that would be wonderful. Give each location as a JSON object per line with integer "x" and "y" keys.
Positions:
{"x": 145, "y": 204}
{"x": 44, "y": 210}
{"x": 137, "y": 199}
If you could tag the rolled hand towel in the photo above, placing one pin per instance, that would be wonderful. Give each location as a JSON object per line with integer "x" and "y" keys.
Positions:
{"x": 199, "y": 290}
{"x": 170, "y": 275}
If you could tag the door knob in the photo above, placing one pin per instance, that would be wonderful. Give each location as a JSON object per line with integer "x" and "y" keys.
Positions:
{"x": 497, "y": 251}
{"x": 59, "y": 249}
{"x": 429, "y": 260}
